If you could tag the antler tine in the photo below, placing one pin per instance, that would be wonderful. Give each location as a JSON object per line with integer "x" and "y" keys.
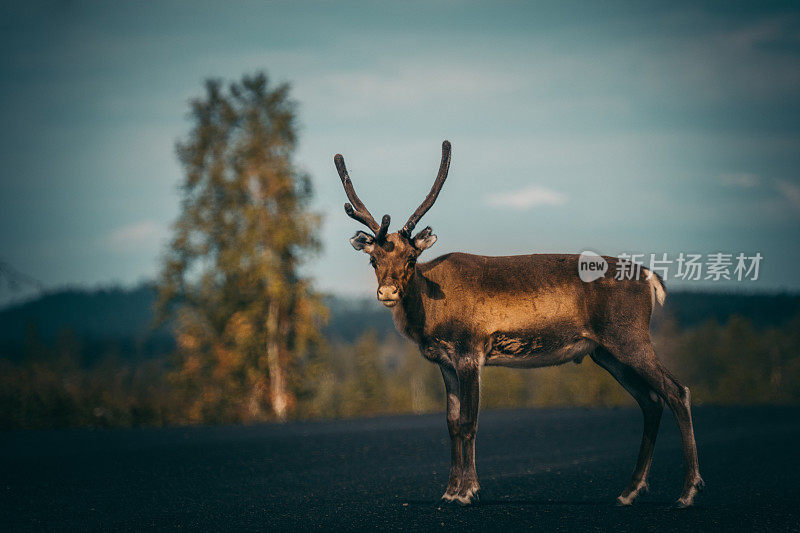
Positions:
{"x": 431, "y": 198}
{"x": 381, "y": 235}
{"x": 356, "y": 209}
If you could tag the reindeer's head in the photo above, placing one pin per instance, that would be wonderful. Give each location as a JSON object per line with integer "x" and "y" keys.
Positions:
{"x": 392, "y": 255}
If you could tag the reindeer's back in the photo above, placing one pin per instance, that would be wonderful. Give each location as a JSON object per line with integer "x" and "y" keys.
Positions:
{"x": 524, "y": 292}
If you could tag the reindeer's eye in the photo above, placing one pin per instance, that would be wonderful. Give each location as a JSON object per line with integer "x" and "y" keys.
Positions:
{"x": 372, "y": 262}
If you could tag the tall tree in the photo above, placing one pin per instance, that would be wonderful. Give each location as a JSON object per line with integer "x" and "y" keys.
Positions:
{"x": 230, "y": 282}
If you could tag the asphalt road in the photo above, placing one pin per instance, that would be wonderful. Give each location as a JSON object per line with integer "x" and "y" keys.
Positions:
{"x": 541, "y": 469}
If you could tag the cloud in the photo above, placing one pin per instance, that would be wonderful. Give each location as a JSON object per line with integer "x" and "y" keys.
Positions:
{"x": 790, "y": 191}
{"x": 740, "y": 180}
{"x": 144, "y": 234}
{"x": 526, "y": 198}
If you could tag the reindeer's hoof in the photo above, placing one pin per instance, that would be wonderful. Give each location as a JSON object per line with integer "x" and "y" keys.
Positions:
{"x": 469, "y": 495}
{"x": 448, "y": 497}
{"x": 624, "y": 502}
{"x": 682, "y": 504}
{"x": 467, "y": 501}
{"x": 687, "y": 499}
{"x": 628, "y": 495}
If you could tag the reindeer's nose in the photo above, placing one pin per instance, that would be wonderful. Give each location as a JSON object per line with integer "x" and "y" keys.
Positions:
{"x": 388, "y": 292}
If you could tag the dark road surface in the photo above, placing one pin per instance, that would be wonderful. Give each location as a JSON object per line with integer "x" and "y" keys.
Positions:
{"x": 541, "y": 469}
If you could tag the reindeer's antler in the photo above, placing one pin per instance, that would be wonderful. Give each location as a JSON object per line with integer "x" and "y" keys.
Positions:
{"x": 431, "y": 198}
{"x": 359, "y": 212}
{"x": 381, "y": 235}
{"x": 356, "y": 208}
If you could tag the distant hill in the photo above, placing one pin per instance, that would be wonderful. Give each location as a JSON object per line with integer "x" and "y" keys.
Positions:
{"x": 123, "y": 317}
{"x": 103, "y": 321}
{"x": 114, "y": 313}
{"x": 108, "y": 313}
{"x": 763, "y": 310}
{"x": 351, "y": 317}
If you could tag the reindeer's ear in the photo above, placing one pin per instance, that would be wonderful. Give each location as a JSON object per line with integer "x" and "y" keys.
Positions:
{"x": 424, "y": 239}
{"x": 363, "y": 241}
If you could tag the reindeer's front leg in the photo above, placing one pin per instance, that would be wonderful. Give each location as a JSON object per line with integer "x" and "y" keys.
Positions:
{"x": 456, "y": 445}
{"x": 468, "y": 370}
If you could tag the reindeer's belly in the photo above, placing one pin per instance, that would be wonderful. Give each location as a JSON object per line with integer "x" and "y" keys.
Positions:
{"x": 529, "y": 350}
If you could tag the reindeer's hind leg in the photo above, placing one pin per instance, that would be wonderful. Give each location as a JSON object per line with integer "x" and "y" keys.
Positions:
{"x": 637, "y": 353}
{"x": 652, "y": 407}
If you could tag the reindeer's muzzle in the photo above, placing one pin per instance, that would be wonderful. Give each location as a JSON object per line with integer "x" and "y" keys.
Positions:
{"x": 388, "y": 295}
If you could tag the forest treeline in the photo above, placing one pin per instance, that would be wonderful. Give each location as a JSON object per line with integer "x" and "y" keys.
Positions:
{"x": 75, "y": 378}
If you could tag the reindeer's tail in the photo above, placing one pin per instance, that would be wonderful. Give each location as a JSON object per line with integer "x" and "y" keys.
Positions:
{"x": 659, "y": 291}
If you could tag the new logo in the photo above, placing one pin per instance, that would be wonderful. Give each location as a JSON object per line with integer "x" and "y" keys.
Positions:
{"x": 591, "y": 266}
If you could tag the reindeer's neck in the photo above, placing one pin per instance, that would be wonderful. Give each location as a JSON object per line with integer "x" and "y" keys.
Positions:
{"x": 409, "y": 314}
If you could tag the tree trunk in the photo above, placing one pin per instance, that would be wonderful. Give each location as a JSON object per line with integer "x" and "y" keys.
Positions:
{"x": 277, "y": 375}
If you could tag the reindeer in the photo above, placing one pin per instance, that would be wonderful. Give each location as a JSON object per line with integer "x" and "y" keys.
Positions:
{"x": 469, "y": 311}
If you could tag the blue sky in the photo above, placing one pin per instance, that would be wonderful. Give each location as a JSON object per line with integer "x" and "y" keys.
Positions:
{"x": 648, "y": 128}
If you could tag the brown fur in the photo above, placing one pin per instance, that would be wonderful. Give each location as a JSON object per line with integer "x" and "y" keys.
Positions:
{"x": 467, "y": 311}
